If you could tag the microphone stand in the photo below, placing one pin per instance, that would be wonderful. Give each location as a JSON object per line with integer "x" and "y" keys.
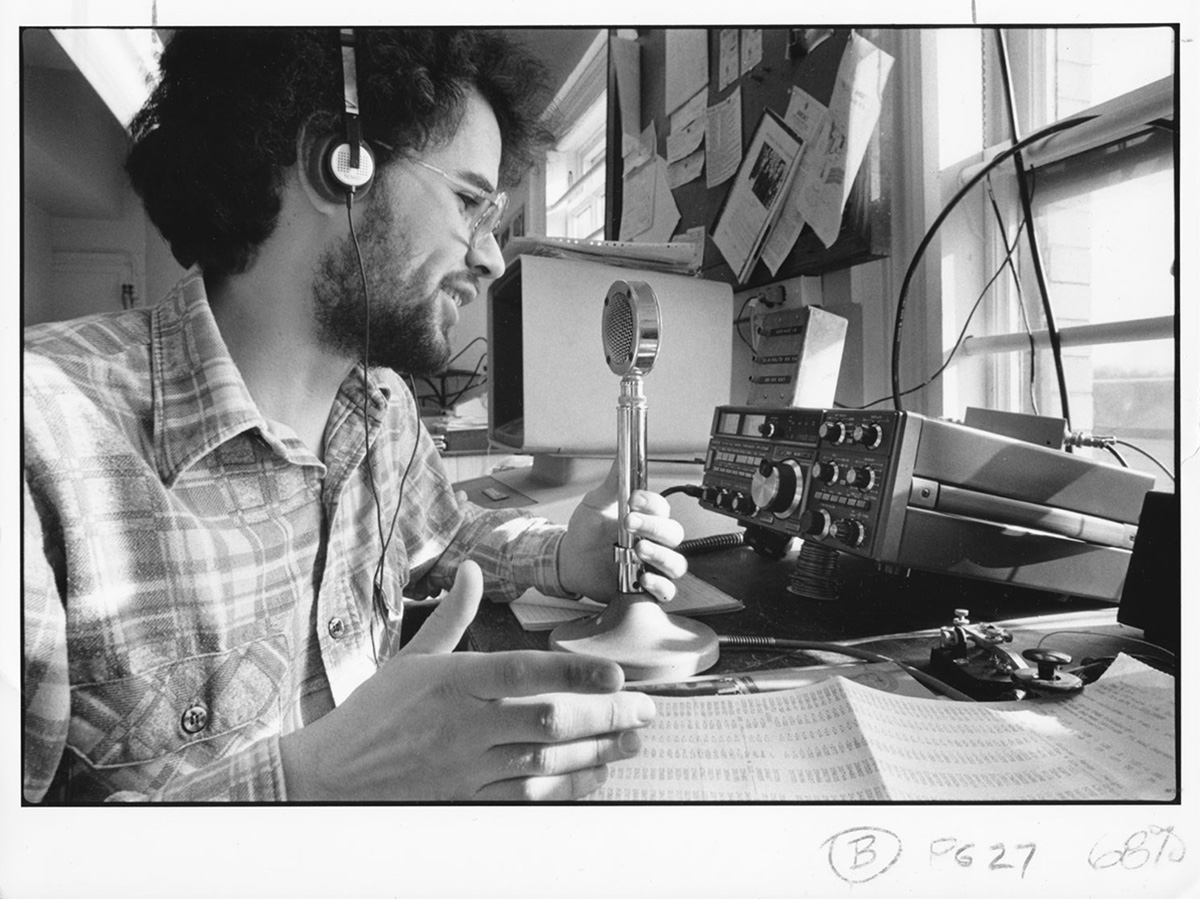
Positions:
{"x": 633, "y": 630}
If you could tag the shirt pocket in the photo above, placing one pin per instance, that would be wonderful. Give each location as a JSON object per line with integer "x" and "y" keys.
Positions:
{"x": 198, "y": 708}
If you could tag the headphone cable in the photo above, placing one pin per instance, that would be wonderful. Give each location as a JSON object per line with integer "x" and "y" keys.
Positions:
{"x": 378, "y": 599}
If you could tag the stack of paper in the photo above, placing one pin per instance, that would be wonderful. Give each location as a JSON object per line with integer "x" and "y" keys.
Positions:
{"x": 840, "y": 741}
{"x": 538, "y": 612}
{"x": 678, "y": 256}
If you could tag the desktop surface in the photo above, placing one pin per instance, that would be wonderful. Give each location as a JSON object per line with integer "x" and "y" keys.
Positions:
{"x": 903, "y": 612}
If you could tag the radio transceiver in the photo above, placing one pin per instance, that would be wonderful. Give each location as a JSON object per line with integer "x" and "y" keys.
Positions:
{"x": 916, "y": 492}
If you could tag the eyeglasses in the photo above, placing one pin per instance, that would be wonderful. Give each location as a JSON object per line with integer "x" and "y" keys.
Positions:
{"x": 491, "y": 206}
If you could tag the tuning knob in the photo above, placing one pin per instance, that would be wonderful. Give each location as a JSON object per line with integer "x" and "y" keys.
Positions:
{"x": 833, "y": 431}
{"x": 863, "y": 478}
{"x": 778, "y": 486}
{"x": 869, "y": 436}
{"x": 826, "y": 472}
{"x": 850, "y": 532}
{"x": 815, "y": 523}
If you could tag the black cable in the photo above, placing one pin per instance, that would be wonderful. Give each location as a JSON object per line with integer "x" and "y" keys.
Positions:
{"x": 1116, "y": 454}
{"x": 897, "y": 330}
{"x": 1138, "y": 449}
{"x": 1012, "y": 269}
{"x": 963, "y": 331}
{"x": 437, "y": 393}
{"x": 455, "y": 357}
{"x": 700, "y": 545}
{"x": 377, "y": 595}
{"x": 690, "y": 489}
{"x": 745, "y": 642}
{"x": 737, "y": 323}
{"x": 1035, "y": 252}
{"x": 450, "y": 404}
{"x": 380, "y": 569}
{"x": 366, "y": 354}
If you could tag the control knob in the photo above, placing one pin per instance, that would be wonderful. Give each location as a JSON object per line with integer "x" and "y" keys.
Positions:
{"x": 869, "y": 436}
{"x": 833, "y": 431}
{"x": 826, "y": 472}
{"x": 850, "y": 531}
{"x": 742, "y": 504}
{"x": 815, "y": 523}
{"x": 863, "y": 478}
{"x": 778, "y": 486}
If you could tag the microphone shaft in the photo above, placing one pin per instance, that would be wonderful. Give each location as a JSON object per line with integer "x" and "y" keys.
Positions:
{"x": 631, "y": 473}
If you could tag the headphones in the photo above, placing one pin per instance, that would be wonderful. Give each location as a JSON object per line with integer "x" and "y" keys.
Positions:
{"x": 341, "y": 165}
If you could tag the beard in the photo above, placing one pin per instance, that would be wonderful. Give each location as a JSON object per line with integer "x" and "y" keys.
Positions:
{"x": 398, "y": 311}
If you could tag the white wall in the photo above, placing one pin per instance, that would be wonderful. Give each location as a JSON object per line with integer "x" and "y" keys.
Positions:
{"x": 85, "y": 233}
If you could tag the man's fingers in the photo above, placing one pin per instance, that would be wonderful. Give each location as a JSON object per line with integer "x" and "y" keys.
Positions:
{"x": 529, "y": 672}
{"x": 554, "y": 788}
{"x": 447, "y": 623}
{"x": 661, "y": 588}
{"x": 563, "y": 717}
{"x": 650, "y": 503}
{"x": 539, "y": 759}
{"x": 661, "y": 559}
{"x": 666, "y": 531}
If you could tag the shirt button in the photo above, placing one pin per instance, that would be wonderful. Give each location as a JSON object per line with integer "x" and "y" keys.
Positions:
{"x": 194, "y": 719}
{"x": 336, "y": 628}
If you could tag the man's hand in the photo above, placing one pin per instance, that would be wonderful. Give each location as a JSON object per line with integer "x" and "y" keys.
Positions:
{"x": 586, "y": 564}
{"x": 437, "y": 725}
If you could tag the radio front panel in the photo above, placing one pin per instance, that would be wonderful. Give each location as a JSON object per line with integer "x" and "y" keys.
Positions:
{"x": 902, "y": 489}
{"x": 818, "y": 474}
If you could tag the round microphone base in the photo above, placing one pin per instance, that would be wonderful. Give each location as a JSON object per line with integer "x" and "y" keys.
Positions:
{"x": 648, "y": 644}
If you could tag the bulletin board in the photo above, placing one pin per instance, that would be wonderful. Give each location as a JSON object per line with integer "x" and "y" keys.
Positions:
{"x": 865, "y": 226}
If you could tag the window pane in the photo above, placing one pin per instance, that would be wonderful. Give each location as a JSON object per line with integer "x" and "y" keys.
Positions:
{"x": 1133, "y": 399}
{"x": 1108, "y": 253}
{"x": 959, "y": 91}
{"x": 1091, "y": 65}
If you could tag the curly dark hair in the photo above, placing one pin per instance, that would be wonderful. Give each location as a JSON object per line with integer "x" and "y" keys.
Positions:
{"x": 210, "y": 145}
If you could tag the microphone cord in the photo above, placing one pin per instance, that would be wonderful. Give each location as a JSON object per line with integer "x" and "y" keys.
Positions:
{"x": 731, "y": 641}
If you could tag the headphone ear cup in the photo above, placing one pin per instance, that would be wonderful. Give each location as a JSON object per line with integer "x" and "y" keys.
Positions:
{"x": 332, "y": 175}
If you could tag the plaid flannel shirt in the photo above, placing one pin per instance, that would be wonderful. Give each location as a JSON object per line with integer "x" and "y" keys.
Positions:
{"x": 196, "y": 582}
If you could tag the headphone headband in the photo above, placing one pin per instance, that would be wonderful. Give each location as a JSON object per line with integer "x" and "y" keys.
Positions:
{"x": 342, "y": 165}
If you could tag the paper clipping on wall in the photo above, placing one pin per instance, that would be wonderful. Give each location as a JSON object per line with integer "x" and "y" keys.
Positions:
{"x": 723, "y": 138}
{"x": 756, "y": 195}
{"x": 833, "y": 155}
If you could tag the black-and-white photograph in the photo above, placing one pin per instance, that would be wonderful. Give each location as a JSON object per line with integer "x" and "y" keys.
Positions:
{"x": 352, "y": 526}
{"x": 766, "y": 175}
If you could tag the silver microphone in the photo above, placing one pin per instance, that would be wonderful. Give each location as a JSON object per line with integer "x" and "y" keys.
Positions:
{"x": 631, "y": 327}
{"x": 633, "y": 630}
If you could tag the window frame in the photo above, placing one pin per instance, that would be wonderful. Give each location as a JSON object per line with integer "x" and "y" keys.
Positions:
{"x": 983, "y": 373}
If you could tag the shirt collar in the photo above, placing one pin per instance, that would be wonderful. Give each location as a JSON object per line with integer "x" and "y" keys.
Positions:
{"x": 200, "y": 398}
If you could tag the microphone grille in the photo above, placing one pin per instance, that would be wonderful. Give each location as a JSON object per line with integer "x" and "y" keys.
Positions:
{"x": 618, "y": 330}
{"x": 630, "y": 328}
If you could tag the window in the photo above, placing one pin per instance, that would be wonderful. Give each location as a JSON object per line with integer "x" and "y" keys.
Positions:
{"x": 1104, "y": 205}
{"x": 575, "y": 177}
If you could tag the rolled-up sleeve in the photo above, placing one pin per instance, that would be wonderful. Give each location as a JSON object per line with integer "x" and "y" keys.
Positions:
{"x": 514, "y": 551}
